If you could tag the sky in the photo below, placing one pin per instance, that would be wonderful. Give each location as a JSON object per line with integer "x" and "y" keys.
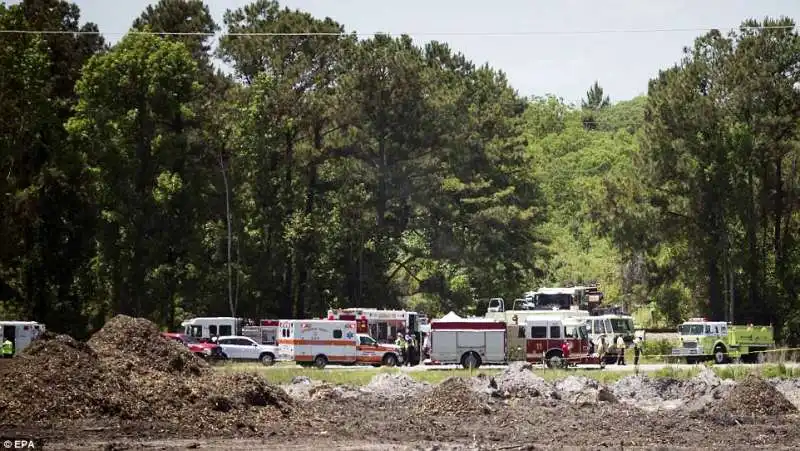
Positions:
{"x": 563, "y": 64}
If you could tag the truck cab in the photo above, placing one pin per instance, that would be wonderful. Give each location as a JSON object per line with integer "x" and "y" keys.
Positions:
{"x": 545, "y": 336}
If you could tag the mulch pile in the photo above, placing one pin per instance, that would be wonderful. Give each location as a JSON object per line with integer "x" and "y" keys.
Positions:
{"x": 747, "y": 402}
{"x": 128, "y": 373}
{"x": 454, "y": 396}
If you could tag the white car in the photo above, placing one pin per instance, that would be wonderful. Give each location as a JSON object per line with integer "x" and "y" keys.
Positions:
{"x": 237, "y": 347}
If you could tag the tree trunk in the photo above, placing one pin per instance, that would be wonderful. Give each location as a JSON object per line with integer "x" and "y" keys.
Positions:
{"x": 228, "y": 220}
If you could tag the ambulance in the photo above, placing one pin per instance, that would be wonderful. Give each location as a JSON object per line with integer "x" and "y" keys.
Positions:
{"x": 320, "y": 342}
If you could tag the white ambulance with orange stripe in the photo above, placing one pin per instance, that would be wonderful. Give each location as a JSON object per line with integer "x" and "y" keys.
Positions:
{"x": 320, "y": 342}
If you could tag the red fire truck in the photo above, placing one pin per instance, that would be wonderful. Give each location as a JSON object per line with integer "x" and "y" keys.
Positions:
{"x": 382, "y": 325}
{"x": 546, "y": 339}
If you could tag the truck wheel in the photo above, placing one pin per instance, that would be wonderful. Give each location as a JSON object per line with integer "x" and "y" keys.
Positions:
{"x": 470, "y": 360}
{"x": 554, "y": 360}
{"x": 719, "y": 355}
{"x": 390, "y": 360}
{"x": 320, "y": 361}
{"x": 267, "y": 359}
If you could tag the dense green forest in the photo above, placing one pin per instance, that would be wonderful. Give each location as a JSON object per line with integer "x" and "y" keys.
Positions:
{"x": 328, "y": 170}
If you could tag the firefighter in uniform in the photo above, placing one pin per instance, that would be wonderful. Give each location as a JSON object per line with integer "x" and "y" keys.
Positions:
{"x": 601, "y": 352}
{"x": 620, "y": 351}
{"x": 8, "y": 349}
{"x": 411, "y": 344}
{"x": 401, "y": 342}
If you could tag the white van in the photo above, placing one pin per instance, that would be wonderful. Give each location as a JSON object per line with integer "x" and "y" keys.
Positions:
{"x": 204, "y": 328}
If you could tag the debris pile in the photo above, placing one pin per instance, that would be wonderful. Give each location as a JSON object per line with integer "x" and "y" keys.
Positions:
{"x": 128, "y": 373}
{"x": 395, "y": 386}
{"x": 517, "y": 380}
{"x": 584, "y": 391}
{"x": 135, "y": 344}
{"x": 57, "y": 377}
{"x": 753, "y": 397}
{"x": 454, "y": 396}
{"x": 653, "y": 394}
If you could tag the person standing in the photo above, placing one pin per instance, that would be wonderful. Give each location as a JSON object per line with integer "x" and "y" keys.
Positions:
{"x": 620, "y": 351}
{"x": 401, "y": 343}
{"x": 601, "y": 352}
{"x": 637, "y": 351}
{"x": 412, "y": 347}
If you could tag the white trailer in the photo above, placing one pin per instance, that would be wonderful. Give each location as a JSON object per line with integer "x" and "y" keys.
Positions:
{"x": 470, "y": 342}
{"x": 20, "y": 333}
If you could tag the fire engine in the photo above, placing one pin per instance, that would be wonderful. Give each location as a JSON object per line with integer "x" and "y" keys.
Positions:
{"x": 702, "y": 339}
{"x": 546, "y": 335}
{"x": 382, "y": 325}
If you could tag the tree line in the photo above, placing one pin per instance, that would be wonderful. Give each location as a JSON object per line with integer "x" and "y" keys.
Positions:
{"x": 327, "y": 171}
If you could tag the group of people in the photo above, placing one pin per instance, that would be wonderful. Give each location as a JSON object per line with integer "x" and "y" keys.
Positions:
{"x": 409, "y": 348}
{"x": 603, "y": 348}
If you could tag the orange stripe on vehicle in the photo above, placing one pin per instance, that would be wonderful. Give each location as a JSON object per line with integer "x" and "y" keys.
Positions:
{"x": 331, "y": 358}
{"x": 300, "y": 341}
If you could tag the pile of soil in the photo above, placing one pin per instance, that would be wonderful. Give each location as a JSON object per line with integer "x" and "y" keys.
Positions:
{"x": 129, "y": 374}
{"x": 57, "y": 377}
{"x": 653, "y": 394}
{"x": 517, "y": 380}
{"x": 135, "y": 344}
{"x": 454, "y": 396}
{"x": 584, "y": 391}
{"x": 753, "y": 397}
{"x": 395, "y": 386}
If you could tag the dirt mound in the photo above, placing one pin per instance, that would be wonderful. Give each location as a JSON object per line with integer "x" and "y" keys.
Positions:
{"x": 128, "y": 374}
{"x": 668, "y": 393}
{"x": 57, "y": 377}
{"x": 517, "y": 380}
{"x": 395, "y": 386}
{"x": 135, "y": 344}
{"x": 753, "y": 397}
{"x": 454, "y": 396}
{"x": 583, "y": 391}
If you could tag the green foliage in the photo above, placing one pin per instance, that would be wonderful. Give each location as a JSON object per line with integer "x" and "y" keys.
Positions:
{"x": 331, "y": 171}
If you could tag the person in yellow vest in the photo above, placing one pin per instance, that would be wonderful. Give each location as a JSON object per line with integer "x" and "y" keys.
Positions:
{"x": 401, "y": 342}
{"x": 8, "y": 349}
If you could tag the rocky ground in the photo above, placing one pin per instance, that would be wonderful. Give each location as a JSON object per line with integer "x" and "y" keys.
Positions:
{"x": 128, "y": 388}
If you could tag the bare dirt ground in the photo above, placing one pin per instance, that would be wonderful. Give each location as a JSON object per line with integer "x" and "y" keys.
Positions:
{"x": 129, "y": 389}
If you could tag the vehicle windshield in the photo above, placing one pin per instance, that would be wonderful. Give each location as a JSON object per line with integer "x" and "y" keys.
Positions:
{"x": 561, "y": 300}
{"x": 579, "y": 332}
{"x": 622, "y": 325}
{"x": 690, "y": 329}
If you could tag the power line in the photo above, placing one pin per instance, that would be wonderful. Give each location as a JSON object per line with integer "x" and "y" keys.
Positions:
{"x": 444, "y": 33}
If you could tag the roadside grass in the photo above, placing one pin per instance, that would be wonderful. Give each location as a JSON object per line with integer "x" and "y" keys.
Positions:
{"x": 284, "y": 373}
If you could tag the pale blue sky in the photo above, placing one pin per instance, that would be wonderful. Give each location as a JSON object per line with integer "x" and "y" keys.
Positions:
{"x": 564, "y": 65}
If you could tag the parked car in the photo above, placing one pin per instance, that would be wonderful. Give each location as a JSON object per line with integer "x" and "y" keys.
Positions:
{"x": 237, "y": 347}
{"x": 207, "y": 351}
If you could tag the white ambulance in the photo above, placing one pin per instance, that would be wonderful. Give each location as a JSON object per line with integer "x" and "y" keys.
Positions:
{"x": 320, "y": 342}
